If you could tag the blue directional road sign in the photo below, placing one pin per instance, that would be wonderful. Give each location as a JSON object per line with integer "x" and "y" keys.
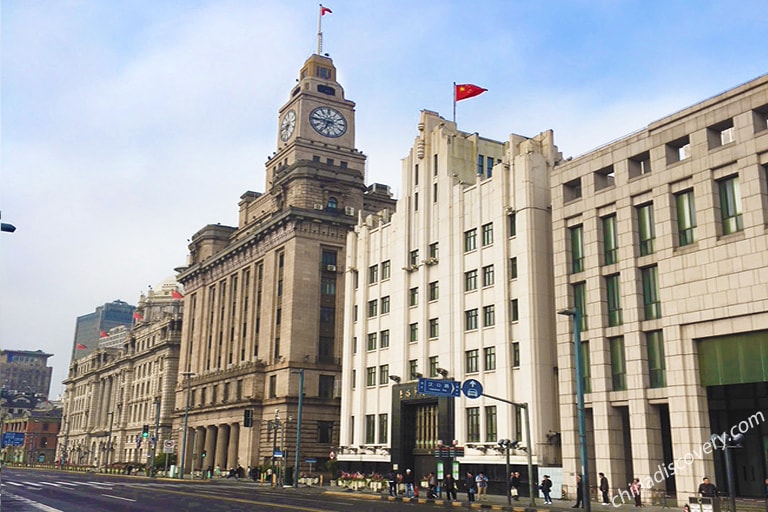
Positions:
{"x": 472, "y": 388}
{"x": 438, "y": 387}
{"x": 13, "y": 438}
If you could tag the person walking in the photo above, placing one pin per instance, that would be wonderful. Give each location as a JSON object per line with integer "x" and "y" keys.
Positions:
{"x": 449, "y": 485}
{"x": 392, "y": 479}
{"x": 707, "y": 489}
{"x": 471, "y": 486}
{"x": 604, "y": 488}
{"x": 431, "y": 486}
{"x": 514, "y": 485}
{"x": 635, "y": 488}
{"x": 482, "y": 487}
{"x": 546, "y": 489}
{"x": 408, "y": 481}
{"x": 579, "y": 493}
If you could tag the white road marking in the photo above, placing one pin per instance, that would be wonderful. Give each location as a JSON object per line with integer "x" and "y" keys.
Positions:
{"x": 119, "y": 498}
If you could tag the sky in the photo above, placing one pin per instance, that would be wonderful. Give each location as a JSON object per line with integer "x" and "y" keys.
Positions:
{"x": 127, "y": 126}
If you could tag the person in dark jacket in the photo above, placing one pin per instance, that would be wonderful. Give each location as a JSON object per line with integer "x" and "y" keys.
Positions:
{"x": 604, "y": 488}
{"x": 707, "y": 489}
{"x": 546, "y": 489}
{"x": 514, "y": 485}
{"x": 449, "y": 486}
{"x": 392, "y": 479}
{"x": 408, "y": 481}
{"x": 471, "y": 486}
{"x": 579, "y": 493}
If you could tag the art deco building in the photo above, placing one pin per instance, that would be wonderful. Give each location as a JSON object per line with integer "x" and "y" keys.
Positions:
{"x": 458, "y": 282}
{"x": 265, "y": 299}
{"x": 113, "y": 392}
{"x": 25, "y": 372}
{"x": 660, "y": 241}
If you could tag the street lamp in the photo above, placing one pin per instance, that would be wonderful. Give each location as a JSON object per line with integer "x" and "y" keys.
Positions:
{"x": 442, "y": 372}
{"x": 576, "y": 314}
{"x": 300, "y": 371}
{"x": 395, "y": 378}
{"x": 188, "y": 375}
{"x": 157, "y": 428}
{"x": 111, "y": 415}
{"x": 507, "y": 444}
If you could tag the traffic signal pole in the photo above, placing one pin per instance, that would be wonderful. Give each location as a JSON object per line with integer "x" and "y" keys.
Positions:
{"x": 154, "y": 443}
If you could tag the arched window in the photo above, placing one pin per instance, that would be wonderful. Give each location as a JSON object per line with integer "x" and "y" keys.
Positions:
{"x": 332, "y": 203}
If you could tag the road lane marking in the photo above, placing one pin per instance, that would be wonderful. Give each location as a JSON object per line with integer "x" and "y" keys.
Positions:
{"x": 118, "y": 497}
{"x": 34, "y": 504}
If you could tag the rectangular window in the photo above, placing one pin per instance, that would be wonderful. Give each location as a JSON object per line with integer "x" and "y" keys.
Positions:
{"x": 489, "y": 316}
{"x": 516, "y": 355}
{"x": 434, "y": 328}
{"x": 473, "y": 424}
{"x": 651, "y": 300}
{"x": 434, "y": 291}
{"x": 580, "y": 302}
{"x": 656, "y": 364}
{"x": 354, "y": 378}
{"x": 618, "y": 363}
{"x": 514, "y": 310}
{"x": 370, "y": 428}
{"x": 720, "y": 134}
{"x": 471, "y": 360}
{"x": 470, "y": 240}
{"x": 470, "y": 280}
{"x": 470, "y": 320}
{"x": 490, "y": 424}
{"x": 489, "y": 167}
{"x": 328, "y": 285}
{"x": 416, "y": 201}
{"x": 413, "y": 296}
{"x": 577, "y": 249}
{"x": 686, "y": 218}
{"x": 610, "y": 240}
{"x": 678, "y": 150}
{"x": 370, "y": 376}
{"x": 384, "y": 339}
{"x": 730, "y": 205}
{"x": 373, "y": 274}
{"x": 383, "y": 374}
{"x": 487, "y": 234}
{"x": 433, "y": 365}
{"x": 371, "y": 341}
{"x": 488, "y": 276}
{"x": 585, "y": 367}
{"x": 325, "y": 386}
{"x": 434, "y": 192}
{"x": 613, "y": 296}
{"x": 640, "y": 165}
{"x": 434, "y": 250}
{"x": 385, "y": 303}
{"x": 480, "y": 160}
{"x": 489, "y": 357}
{"x": 646, "y": 229}
{"x": 325, "y": 432}
{"x": 272, "y": 387}
{"x": 413, "y": 369}
{"x": 373, "y": 308}
{"x": 511, "y": 225}
{"x": 383, "y": 428}
{"x": 386, "y": 269}
{"x": 413, "y": 330}
{"x": 416, "y": 174}
{"x": 513, "y": 268}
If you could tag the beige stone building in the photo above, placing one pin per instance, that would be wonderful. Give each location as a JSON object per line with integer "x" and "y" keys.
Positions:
{"x": 660, "y": 240}
{"x": 456, "y": 284}
{"x": 265, "y": 299}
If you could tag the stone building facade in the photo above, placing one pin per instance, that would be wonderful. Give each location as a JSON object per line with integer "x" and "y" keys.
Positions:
{"x": 25, "y": 372}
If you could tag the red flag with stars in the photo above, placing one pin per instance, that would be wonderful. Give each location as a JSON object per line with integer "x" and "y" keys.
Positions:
{"x": 464, "y": 91}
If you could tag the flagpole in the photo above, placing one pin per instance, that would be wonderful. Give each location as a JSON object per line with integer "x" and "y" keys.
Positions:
{"x": 320, "y": 30}
{"x": 454, "y": 102}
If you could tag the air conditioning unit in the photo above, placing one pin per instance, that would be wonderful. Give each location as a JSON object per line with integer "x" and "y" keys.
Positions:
{"x": 318, "y": 206}
{"x": 330, "y": 268}
{"x": 348, "y": 210}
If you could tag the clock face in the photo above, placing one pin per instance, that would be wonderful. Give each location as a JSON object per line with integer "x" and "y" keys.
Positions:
{"x": 327, "y": 121}
{"x": 288, "y": 125}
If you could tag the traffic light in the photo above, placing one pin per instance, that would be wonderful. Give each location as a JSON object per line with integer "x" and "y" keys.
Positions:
{"x": 248, "y": 418}
{"x": 145, "y": 431}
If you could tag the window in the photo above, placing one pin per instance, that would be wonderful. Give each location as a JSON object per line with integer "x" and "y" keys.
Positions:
{"x": 416, "y": 174}
{"x": 572, "y": 190}
{"x": 640, "y": 165}
{"x": 513, "y": 268}
{"x": 272, "y": 387}
{"x": 373, "y": 308}
{"x": 488, "y": 276}
{"x": 686, "y": 218}
{"x": 604, "y": 178}
{"x": 515, "y": 354}
{"x": 487, "y": 234}
{"x": 383, "y": 374}
{"x": 413, "y": 369}
{"x": 489, "y": 167}
{"x": 618, "y": 363}
{"x": 354, "y": 378}
{"x": 328, "y": 285}
{"x": 646, "y": 229}
{"x": 720, "y": 134}
{"x": 489, "y": 358}
{"x": 678, "y": 150}
{"x": 373, "y": 274}
{"x": 613, "y": 296}
{"x": 370, "y": 376}
{"x": 413, "y": 332}
{"x": 386, "y": 267}
{"x": 325, "y": 432}
{"x": 385, "y": 305}
{"x": 512, "y": 224}
{"x": 760, "y": 118}
{"x": 370, "y": 428}
{"x": 577, "y": 249}
{"x": 372, "y": 341}
{"x": 490, "y": 424}
{"x": 414, "y": 258}
{"x": 384, "y": 339}
{"x": 434, "y": 250}
{"x": 413, "y": 296}
{"x": 325, "y": 386}
{"x": 585, "y": 367}
{"x": 471, "y": 360}
{"x": 434, "y": 328}
{"x": 473, "y": 424}
{"x": 434, "y": 192}
{"x": 470, "y": 240}
{"x": 433, "y": 365}
{"x": 470, "y": 320}
{"x": 730, "y": 205}
{"x": 651, "y": 300}
{"x": 610, "y": 240}
{"x": 656, "y": 365}
{"x": 489, "y": 316}
{"x": 480, "y": 169}
{"x": 514, "y": 310}
{"x": 434, "y": 165}
{"x": 580, "y": 302}
{"x": 470, "y": 280}
{"x": 383, "y": 428}
{"x": 332, "y": 202}
{"x": 416, "y": 201}
{"x": 434, "y": 291}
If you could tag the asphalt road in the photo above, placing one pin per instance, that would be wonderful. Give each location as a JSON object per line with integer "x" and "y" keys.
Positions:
{"x": 59, "y": 491}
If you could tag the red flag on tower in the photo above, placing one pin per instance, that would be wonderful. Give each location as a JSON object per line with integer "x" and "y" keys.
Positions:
{"x": 175, "y": 294}
{"x": 464, "y": 91}
{"x": 324, "y": 10}
{"x": 103, "y": 334}
{"x": 137, "y": 316}
{"x": 80, "y": 346}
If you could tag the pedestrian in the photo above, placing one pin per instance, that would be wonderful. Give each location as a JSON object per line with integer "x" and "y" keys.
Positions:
{"x": 514, "y": 485}
{"x": 579, "y": 493}
{"x": 634, "y": 489}
{"x": 431, "y": 486}
{"x": 392, "y": 479}
{"x": 546, "y": 489}
{"x": 482, "y": 486}
{"x": 471, "y": 485}
{"x": 408, "y": 481}
{"x": 707, "y": 489}
{"x": 604, "y": 488}
{"x": 449, "y": 485}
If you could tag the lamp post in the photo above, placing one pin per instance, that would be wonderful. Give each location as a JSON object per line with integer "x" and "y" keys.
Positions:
{"x": 188, "y": 375}
{"x": 111, "y": 415}
{"x": 298, "y": 427}
{"x": 157, "y": 428}
{"x": 576, "y": 314}
{"x": 505, "y": 443}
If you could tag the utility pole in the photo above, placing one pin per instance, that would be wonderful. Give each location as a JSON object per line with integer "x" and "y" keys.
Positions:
{"x": 154, "y": 441}
{"x": 298, "y": 429}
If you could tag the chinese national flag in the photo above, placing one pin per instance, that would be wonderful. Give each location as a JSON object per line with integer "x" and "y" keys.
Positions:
{"x": 464, "y": 91}
{"x": 324, "y": 10}
{"x": 175, "y": 294}
{"x": 103, "y": 334}
{"x": 137, "y": 316}
{"x": 80, "y": 346}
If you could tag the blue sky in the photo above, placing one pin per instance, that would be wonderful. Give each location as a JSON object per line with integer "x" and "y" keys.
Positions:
{"x": 127, "y": 126}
